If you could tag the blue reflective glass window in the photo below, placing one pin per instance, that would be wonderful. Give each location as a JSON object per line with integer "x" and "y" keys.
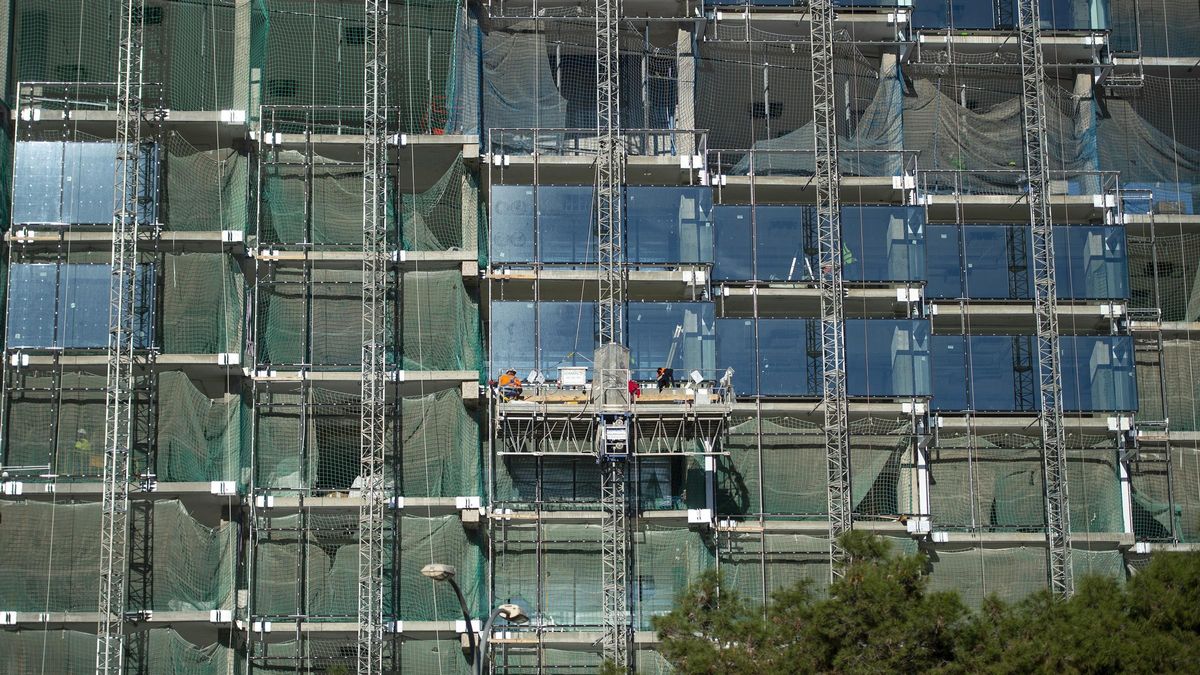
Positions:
{"x": 883, "y": 243}
{"x": 790, "y": 357}
{"x": 511, "y": 336}
{"x": 948, "y": 363}
{"x": 565, "y": 226}
{"x": 57, "y": 182}
{"x": 786, "y": 243}
{"x": 735, "y": 349}
{"x": 1003, "y": 373}
{"x": 1098, "y": 373}
{"x": 944, "y": 266}
{"x": 568, "y": 335}
{"x": 997, "y": 261}
{"x": 680, "y": 335}
{"x": 887, "y": 357}
{"x": 66, "y": 306}
{"x": 732, "y": 249}
{"x": 1091, "y": 262}
{"x": 512, "y": 223}
{"x": 985, "y": 14}
{"x": 669, "y": 224}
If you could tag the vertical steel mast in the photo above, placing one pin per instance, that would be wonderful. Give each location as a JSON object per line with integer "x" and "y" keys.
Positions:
{"x": 829, "y": 236}
{"x": 1054, "y": 461}
{"x": 374, "y": 340}
{"x": 119, "y": 385}
{"x": 610, "y": 162}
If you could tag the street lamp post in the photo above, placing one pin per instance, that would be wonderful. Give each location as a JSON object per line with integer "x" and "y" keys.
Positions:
{"x": 510, "y": 611}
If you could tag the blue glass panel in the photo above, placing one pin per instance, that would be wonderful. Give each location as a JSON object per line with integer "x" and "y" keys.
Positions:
{"x": 511, "y": 223}
{"x": 887, "y": 357}
{"x": 944, "y": 266}
{"x": 790, "y": 357}
{"x": 78, "y": 317}
{"x": 1098, "y": 373}
{"x": 568, "y": 335}
{"x": 511, "y": 336}
{"x": 998, "y": 264}
{"x": 1003, "y": 375}
{"x": 734, "y": 257}
{"x": 1091, "y": 262}
{"x": 783, "y": 251}
{"x": 680, "y": 335}
{"x": 37, "y": 174}
{"x": 73, "y": 182}
{"x": 986, "y": 14}
{"x": 565, "y": 225}
{"x": 669, "y": 224}
{"x": 948, "y": 355}
{"x": 735, "y": 349}
{"x": 883, "y": 243}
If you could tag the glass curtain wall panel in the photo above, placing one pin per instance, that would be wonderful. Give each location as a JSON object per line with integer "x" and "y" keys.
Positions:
{"x": 678, "y": 335}
{"x": 882, "y": 244}
{"x": 998, "y": 373}
{"x": 1002, "y": 14}
{"x": 887, "y": 358}
{"x": 994, "y": 262}
{"x": 73, "y": 183}
{"x": 53, "y": 306}
{"x": 545, "y": 336}
{"x": 555, "y": 224}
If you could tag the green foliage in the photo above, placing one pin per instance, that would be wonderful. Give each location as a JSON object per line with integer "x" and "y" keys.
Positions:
{"x": 881, "y": 617}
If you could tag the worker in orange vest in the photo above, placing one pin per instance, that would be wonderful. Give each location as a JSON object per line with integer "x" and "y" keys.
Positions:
{"x": 510, "y": 385}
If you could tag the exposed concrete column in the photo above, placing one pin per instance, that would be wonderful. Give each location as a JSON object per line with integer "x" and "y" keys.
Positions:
{"x": 1085, "y": 127}
{"x": 889, "y": 97}
{"x": 470, "y": 212}
{"x": 685, "y": 102}
{"x": 243, "y": 80}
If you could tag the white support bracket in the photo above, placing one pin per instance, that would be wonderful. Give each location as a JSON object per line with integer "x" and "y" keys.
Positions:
{"x": 264, "y": 501}
{"x": 220, "y": 616}
{"x": 223, "y": 488}
{"x": 18, "y": 360}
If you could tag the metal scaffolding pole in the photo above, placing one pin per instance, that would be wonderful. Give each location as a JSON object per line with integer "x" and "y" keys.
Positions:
{"x": 829, "y": 241}
{"x": 374, "y": 340}
{"x": 119, "y": 389}
{"x": 1054, "y": 460}
{"x": 612, "y": 280}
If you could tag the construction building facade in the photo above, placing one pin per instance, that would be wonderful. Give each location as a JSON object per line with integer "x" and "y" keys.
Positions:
{"x": 924, "y": 268}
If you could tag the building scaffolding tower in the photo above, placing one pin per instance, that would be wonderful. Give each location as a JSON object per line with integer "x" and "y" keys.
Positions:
{"x": 612, "y": 362}
{"x": 1054, "y": 461}
{"x": 829, "y": 241}
{"x": 374, "y": 340}
{"x": 119, "y": 386}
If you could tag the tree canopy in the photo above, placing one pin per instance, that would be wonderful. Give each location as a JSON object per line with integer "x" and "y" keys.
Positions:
{"x": 880, "y": 616}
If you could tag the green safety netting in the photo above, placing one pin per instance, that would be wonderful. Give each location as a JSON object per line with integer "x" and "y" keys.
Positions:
{"x": 1166, "y": 496}
{"x": 1009, "y": 573}
{"x": 67, "y": 652}
{"x": 314, "y": 200}
{"x": 52, "y": 557}
{"x": 203, "y": 189}
{"x": 665, "y": 561}
{"x": 1110, "y": 564}
{"x": 307, "y": 565}
{"x": 313, "y": 56}
{"x": 1164, "y": 272}
{"x": 442, "y": 656}
{"x": 879, "y": 485}
{"x": 1185, "y": 483}
{"x": 55, "y": 422}
{"x": 553, "y": 568}
{"x": 445, "y": 216}
{"x": 202, "y": 295}
{"x": 190, "y": 48}
{"x": 200, "y": 438}
{"x": 1155, "y": 27}
{"x": 314, "y": 318}
{"x": 433, "y": 444}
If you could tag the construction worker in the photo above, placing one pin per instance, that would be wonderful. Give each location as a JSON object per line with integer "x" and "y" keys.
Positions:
{"x": 83, "y": 450}
{"x": 510, "y": 385}
{"x": 635, "y": 389}
{"x": 666, "y": 378}
{"x": 848, "y": 259}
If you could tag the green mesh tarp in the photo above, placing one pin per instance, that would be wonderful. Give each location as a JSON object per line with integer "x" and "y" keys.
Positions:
{"x": 444, "y": 656}
{"x": 433, "y": 444}
{"x": 202, "y": 304}
{"x": 1094, "y": 486}
{"x": 666, "y": 560}
{"x": 66, "y": 652}
{"x": 199, "y": 438}
{"x": 1185, "y": 483}
{"x": 444, "y": 217}
{"x": 307, "y": 565}
{"x": 1155, "y": 516}
{"x": 796, "y": 448}
{"x": 318, "y": 321}
{"x": 1009, "y": 573}
{"x": 319, "y": 201}
{"x": 557, "y": 578}
{"x": 189, "y": 48}
{"x": 1109, "y": 564}
{"x": 52, "y": 556}
{"x": 56, "y": 423}
{"x": 313, "y": 54}
{"x": 203, "y": 190}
